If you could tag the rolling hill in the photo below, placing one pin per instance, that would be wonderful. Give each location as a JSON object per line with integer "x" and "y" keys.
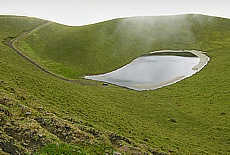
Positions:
{"x": 84, "y": 117}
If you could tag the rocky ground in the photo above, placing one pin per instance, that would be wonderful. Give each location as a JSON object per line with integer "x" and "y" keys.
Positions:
{"x": 26, "y": 127}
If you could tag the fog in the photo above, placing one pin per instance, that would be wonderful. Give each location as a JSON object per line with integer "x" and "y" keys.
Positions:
{"x": 149, "y": 30}
{"x": 83, "y": 12}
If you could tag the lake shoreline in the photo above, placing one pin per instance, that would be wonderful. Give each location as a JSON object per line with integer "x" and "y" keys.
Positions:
{"x": 203, "y": 60}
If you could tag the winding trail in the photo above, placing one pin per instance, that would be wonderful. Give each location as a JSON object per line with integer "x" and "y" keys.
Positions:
{"x": 28, "y": 59}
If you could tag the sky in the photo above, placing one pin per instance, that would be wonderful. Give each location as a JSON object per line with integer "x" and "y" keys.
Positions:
{"x": 84, "y": 12}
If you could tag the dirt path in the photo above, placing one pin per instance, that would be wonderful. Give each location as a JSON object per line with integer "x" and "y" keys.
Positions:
{"x": 28, "y": 59}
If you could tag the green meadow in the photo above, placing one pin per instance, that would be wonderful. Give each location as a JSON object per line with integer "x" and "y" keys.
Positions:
{"x": 83, "y": 117}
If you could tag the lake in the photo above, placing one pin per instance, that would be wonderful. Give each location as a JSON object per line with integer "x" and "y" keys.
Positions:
{"x": 155, "y": 70}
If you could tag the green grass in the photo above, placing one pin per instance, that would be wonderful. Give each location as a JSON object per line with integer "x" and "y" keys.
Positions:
{"x": 115, "y": 43}
{"x": 62, "y": 149}
{"x": 199, "y": 104}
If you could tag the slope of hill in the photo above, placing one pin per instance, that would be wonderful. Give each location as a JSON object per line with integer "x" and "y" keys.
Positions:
{"x": 109, "y": 45}
{"x": 189, "y": 117}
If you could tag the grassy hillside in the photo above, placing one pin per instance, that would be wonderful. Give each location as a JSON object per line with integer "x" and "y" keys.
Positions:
{"x": 189, "y": 117}
{"x": 109, "y": 45}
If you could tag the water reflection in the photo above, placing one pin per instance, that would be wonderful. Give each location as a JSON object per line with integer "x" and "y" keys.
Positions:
{"x": 150, "y": 72}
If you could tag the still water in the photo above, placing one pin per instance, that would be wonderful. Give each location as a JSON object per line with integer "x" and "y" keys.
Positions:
{"x": 151, "y": 72}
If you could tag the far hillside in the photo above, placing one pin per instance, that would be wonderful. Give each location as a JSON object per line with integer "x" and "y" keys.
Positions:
{"x": 103, "y": 47}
